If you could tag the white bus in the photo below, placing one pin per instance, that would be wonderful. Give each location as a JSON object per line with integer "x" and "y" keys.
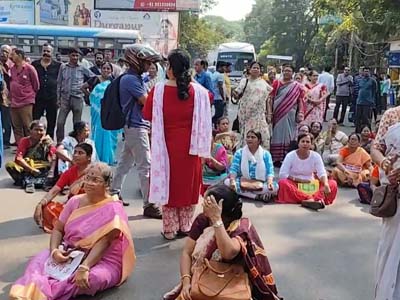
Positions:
{"x": 239, "y": 55}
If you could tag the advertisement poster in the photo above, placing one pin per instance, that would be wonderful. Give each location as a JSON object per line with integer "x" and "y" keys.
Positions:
{"x": 17, "y": 12}
{"x": 64, "y": 12}
{"x": 149, "y": 5}
{"x": 158, "y": 29}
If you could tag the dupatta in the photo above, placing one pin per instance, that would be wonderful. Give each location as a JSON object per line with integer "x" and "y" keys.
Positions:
{"x": 200, "y": 140}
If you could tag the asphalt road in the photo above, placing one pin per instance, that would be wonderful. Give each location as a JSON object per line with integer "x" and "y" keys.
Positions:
{"x": 326, "y": 255}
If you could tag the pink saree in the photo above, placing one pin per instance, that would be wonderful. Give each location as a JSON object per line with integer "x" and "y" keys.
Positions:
{"x": 83, "y": 227}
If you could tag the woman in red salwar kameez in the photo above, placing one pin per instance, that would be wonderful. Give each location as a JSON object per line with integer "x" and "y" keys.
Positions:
{"x": 181, "y": 133}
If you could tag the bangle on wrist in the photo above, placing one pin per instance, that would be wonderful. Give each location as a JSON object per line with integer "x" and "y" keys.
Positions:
{"x": 383, "y": 160}
{"x": 186, "y": 276}
{"x": 84, "y": 268}
{"x": 218, "y": 223}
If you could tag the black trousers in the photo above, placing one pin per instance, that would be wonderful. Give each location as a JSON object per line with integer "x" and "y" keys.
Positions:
{"x": 344, "y": 102}
{"x": 384, "y": 101}
{"x": 6, "y": 123}
{"x": 363, "y": 116}
{"x": 327, "y": 101}
{"x": 219, "y": 106}
{"x": 51, "y": 108}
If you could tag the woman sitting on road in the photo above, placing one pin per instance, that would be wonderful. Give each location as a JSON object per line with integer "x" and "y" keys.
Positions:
{"x": 334, "y": 141}
{"x": 87, "y": 223}
{"x": 303, "y": 128}
{"x": 229, "y": 139}
{"x": 353, "y": 165}
{"x": 215, "y": 168}
{"x": 252, "y": 171}
{"x": 33, "y": 158}
{"x": 298, "y": 184}
{"x": 221, "y": 234}
{"x": 65, "y": 150}
{"x": 73, "y": 178}
{"x": 319, "y": 140}
{"x": 366, "y": 189}
{"x": 366, "y": 138}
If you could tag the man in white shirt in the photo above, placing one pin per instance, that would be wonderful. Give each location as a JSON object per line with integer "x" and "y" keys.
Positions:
{"x": 328, "y": 80}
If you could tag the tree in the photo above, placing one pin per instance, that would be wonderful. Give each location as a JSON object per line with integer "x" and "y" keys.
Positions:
{"x": 196, "y": 35}
{"x": 231, "y": 30}
{"x": 256, "y": 23}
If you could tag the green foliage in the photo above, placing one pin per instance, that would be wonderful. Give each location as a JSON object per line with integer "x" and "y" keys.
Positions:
{"x": 197, "y": 36}
{"x": 291, "y": 27}
{"x": 231, "y": 30}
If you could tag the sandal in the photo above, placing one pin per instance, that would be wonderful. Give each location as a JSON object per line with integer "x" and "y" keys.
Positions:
{"x": 266, "y": 198}
{"x": 181, "y": 234}
{"x": 30, "y": 188}
{"x": 169, "y": 236}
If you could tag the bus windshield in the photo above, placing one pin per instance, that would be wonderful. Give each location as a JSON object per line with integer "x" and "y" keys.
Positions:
{"x": 239, "y": 60}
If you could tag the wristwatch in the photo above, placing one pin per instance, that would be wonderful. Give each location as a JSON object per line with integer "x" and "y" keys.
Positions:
{"x": 217, "y": 224}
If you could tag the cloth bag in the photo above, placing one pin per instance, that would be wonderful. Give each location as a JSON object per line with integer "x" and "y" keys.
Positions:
{"x": 220, "y": 281}
{"x": 251, "y": 185}
{"x": 384, "y": 201}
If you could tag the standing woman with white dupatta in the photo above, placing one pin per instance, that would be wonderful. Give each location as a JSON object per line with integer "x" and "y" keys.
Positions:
{"x": 251, "y": 174}
{"x": 180, "y": 113}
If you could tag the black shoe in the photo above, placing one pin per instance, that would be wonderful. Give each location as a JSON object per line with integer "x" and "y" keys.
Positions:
{"x": 181, "y": 234}
{"x": 312, "y": 204}
{"x": 153, "y": 212}
{"x": 122, "y": 200}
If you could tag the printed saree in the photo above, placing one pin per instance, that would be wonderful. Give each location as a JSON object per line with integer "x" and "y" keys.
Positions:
{"x": 212, "y": 176}
{"x": 38, "y": 156}
{"x": 286, "y": 97}
{"x": 84, "y": 227}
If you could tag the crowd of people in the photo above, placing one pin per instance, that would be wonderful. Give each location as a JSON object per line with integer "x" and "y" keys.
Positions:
{"x": 276, "y": 151}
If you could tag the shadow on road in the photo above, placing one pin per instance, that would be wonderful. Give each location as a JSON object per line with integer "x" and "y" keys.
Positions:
{"x": 18, "y": 228}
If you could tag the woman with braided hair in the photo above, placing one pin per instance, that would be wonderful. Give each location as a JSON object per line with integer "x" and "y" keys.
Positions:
{"x": 180, "y": 112}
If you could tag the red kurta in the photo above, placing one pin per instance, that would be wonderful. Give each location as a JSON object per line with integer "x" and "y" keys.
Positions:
{"x": 185, "y": 169}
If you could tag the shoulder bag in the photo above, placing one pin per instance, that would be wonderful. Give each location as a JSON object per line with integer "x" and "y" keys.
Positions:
{"x": 220, "y": 281}
{"x": 384, "y": 201}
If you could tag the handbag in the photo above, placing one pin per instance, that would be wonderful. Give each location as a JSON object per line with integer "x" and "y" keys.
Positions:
{"x": 384, "y": 201}
{"x": 214, "y": 280}
{"x": 251, "y": 185}
{"x": 239, "y": 96}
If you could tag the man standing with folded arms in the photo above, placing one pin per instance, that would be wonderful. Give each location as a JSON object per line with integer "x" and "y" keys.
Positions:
{"x": 69, "y": 94}
{"x": 46, "y": 98}
{"x": 23, "y": 88}
{"x": 344, "y": 84}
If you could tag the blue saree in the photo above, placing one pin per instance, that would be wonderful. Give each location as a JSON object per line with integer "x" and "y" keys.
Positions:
{"x": 105, "y": 140}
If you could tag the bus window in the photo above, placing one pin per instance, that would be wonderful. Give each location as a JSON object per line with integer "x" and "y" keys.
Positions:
{"x": 105, "y": 44}
{"x": 7, "y": 39}
{"x": 85, "y": 43}
{"x": 23, "y": 40}
{"x": 45, "y": 40}
{"x": 66, "y": 42}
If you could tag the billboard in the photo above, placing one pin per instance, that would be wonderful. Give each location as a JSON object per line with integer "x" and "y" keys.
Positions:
{"x": 64, "y": 12}
{"x": 149, "y": 5}
{"x": 158, "y": 29}
{"x": 17, "y": 12}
